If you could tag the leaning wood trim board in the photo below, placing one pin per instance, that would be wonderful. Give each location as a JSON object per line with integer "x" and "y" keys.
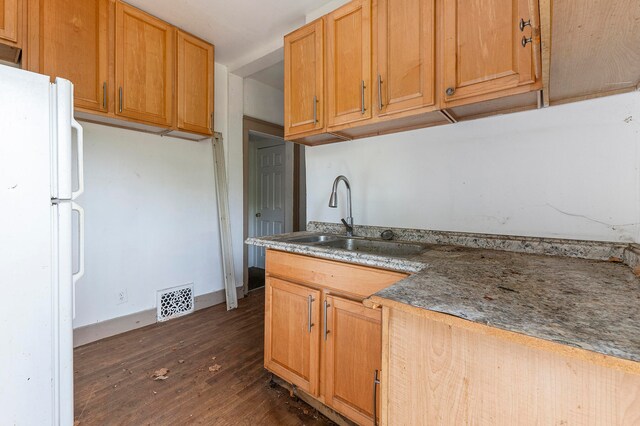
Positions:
{"x": 222, "y": 192}
{"x": 547, "y": 345}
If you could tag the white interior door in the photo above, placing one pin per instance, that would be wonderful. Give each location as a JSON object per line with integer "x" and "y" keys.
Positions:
{"x": 270, "y": 209}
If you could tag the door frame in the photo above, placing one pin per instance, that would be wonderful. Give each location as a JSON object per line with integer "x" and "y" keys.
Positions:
{"x": 254, "y": 187}
{"x": 250, "y": 124}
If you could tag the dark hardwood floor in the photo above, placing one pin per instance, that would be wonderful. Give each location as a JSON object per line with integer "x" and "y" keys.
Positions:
{"x": 114, "y": 384}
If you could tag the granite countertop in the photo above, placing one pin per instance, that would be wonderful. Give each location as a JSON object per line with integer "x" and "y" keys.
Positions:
{"x": 581, "y": 294}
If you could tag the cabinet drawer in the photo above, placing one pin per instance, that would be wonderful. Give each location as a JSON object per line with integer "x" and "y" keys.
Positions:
{"x": 350, "y": 279}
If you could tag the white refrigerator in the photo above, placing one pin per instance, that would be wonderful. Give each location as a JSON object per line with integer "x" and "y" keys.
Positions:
{"x": 41, "y": 239}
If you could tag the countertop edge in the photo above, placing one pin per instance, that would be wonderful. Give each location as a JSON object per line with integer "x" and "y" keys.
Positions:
{"x": 383, "y": 262}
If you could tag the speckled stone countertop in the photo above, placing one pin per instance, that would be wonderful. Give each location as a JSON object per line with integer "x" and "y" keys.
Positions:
{"x": 581, "y": 294}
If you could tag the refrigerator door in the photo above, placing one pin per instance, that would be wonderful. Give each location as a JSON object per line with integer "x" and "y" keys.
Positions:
{"x": 26, "y": 261}
{"x": 62, "y": 292}
{"x": 65, "y": 129}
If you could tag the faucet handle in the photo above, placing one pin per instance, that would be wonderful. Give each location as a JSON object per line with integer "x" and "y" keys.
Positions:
{"x": 348, "y": 226}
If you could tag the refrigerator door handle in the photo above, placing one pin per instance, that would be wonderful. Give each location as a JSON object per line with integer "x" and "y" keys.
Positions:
{"x": 80, "y": 142}
{"x": 81, "y": 253}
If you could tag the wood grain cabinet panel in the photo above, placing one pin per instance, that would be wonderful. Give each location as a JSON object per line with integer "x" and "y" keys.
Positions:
{"x": 442, "y": 370}
{"x": 9, "y": 20}
{"x": 145, "y": 54}
{"x": 304, "y": 80}
{"x": 292, "y": 333}
{"x": 349, "y": 64}
{"x": 404, "y": 53}
{"x": 353, "y": 357}
{"x": 74, "y": 44}
{"x": 195, "y": 77}
{"x": 13, "y": 29}
{"x": 484, "y": 56}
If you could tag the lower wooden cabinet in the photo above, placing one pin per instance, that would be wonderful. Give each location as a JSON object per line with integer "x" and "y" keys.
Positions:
{"x": 352, "y": 355}
{"x": 291, "y": 333}
{"x": 319, "y": 336}
{"x": 442, "y": 370}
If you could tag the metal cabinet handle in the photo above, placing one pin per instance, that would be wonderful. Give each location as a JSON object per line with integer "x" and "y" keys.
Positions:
{"x": 380, "y": 92}
{"x": 524, "y": 23}
{"x": 310, "y": 301}
{"x": 526, "y": 40}
{"x": 362, "y": 87}
{"x": 450, "y": 91}
{"x": 120, "y": 100}
{"x": 104, "y": 95}
{"x": 315, "y": 110}
{"x": 326, "y": 305}
{"x": 376, "y": 382}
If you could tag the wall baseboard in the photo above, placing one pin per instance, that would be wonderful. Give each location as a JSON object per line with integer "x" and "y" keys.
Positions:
{"x": 101, "y": 330}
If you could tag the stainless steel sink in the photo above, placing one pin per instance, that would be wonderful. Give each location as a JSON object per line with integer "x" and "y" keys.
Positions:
{"x": 312, "y": 239}
{"x": 375, "y": 246}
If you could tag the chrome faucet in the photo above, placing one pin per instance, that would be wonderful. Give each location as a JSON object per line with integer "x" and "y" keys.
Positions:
{"x": 333, "y": 203}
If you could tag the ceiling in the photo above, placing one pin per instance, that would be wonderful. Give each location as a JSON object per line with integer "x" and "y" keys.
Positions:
{"x": 236, "y": 27}
{"x": 272, "y": 76}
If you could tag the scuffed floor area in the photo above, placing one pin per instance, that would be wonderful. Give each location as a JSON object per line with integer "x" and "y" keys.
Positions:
{"x": 215, "y": 374}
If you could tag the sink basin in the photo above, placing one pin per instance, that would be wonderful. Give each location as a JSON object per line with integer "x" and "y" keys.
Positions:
{"x": 310, "y": 239}
{"x": 375, "y": 246}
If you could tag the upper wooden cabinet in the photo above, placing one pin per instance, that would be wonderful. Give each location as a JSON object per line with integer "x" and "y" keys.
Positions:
{"x": 394, "y": 65}
{"x": 349, "y": 64}
{"x": 126, "y": 66}
{"x": 9, "y": 20}
{"x": 74, "y": 44}
{"x": 404, "y": 55}
{"x": 145, "y": 64}
{"x": 195, "y": 84}
{"x": 487, "y": 49}
{"x": 11, "y": 29}
{"x": 304, "y": 80}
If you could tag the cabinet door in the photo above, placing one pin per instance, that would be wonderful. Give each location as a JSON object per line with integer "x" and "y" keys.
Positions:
{"x": 292, "y": 333}
{"x": 304, "y": 79}
{"x": 195, "y": 84}
{"x": 353, "y": 340}
{"x": 144, "y": 66}
{"x": 349, "y": 63}
{"x": 405, "y": 55}
{"x": 9, "y": 20}
{"x": 483, "y": 54}
{"x": 74, "y": 45}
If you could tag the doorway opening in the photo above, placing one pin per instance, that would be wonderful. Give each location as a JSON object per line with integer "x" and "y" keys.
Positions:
{"x": 274, "y": 193}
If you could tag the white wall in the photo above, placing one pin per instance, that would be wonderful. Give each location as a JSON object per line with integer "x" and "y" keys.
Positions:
{"x": 151, "y": 221}
{"x": 263, "y": 102}
{"x": 569, "y": 171}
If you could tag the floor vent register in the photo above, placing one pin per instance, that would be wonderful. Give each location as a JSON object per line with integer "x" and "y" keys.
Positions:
{"x": 175, "y": 302}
